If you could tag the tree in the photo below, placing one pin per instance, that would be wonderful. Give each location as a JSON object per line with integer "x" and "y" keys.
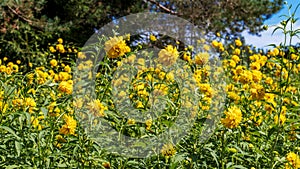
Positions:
{"x": 27, "y": 25}
{"x": 23, "y": 28}
{"x": 228, "y": 17}
{"x": 83, "y": 16}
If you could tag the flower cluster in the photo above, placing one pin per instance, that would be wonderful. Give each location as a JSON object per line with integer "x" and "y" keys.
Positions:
{"x": 168, "y": 56}
{"x": 168, "y": 150}
{"x": 116, "y": 47}
{"x": 233, "y": 117}
{"x": 69, "y": 127}
{"x": 293, "y": 161}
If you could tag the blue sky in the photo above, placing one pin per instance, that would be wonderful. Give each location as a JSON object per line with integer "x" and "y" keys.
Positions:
{"x": 267, "y": 37}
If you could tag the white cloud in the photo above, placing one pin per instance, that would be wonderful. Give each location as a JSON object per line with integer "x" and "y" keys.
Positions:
{"x": 267, "y": 38}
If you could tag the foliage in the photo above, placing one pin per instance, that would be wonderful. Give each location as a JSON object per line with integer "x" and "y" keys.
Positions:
{"x": 230, "y": 17}
{"x": 27, "y": 26}
{"x": 23, "y": 29}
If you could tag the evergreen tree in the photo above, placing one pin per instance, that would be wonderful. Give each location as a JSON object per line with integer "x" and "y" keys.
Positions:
{"x": 26, "y": 25}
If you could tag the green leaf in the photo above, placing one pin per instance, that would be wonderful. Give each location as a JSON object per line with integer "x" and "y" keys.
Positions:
{"x": 18, "y": 148}
{"x": 239, "y": 166}
{"x": 229, "y": 164}
{"x": 12, "y": 166}
{"x": 276, "y": 30}
{"x": 61, "y": 165}
{"x": 214, "y": 155}
{"x": 178, "y": 158}
{"x": 28, "y": 118}
{"x": 41, "y": 134}
{"x": 45, "y": 111}
{"x": 10, "y": 131}
{"x": 271, "y": 131}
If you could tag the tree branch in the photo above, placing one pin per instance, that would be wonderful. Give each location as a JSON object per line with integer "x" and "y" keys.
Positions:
{"x": 26, "y": 19}
{"x": 163, "y": 7}
{"x": 20, "y": 16}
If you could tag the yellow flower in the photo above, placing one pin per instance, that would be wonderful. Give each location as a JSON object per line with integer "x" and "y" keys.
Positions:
{"x": 233, "y": 117}
{"x": 60, "y": 40}
{"x": 215, "y": 44}
{"x": 52, "y": 49}
{"x": 187, "y": 56}
{"x": 168, "y": 150}
{"x": 130, "y": 59}
{"x": 257, "y": 91}
{"x": 245, "y": 77}
{"x": 235, "y": 58}
{"x": 141, "y": 61}
{"x": 116, "y": 47}
{"x": 66, "y": 87}
{"x": 168, "y": 56}
{"x": 206, "y": 89}
{"x": 69, "y": 50}
{"x": 170, "y": 76}
{"x": 275, "y": 51}
{"x": 294, "y": 57}
{"x": 232, "y": 150}
{"x": 269, "y": 80}
{"x": 148, "y": 124}
{"x": 8, "y": 70}
{"x": 282, "y": 119}
{"x": 255, "y": 66}
{"x": 131, "y": 121}
{"x": 60, "y": 138}
{"x": 57, "y": 111}
{"x": 232, "y": 63}
{"x": 293, "y": 161}
{"x": 234, "y": 96}
{"x": 152, "y": 38}
{"x": 221, "y": 49}
{"x": 201, "y": 58}
{"x": 35, "y": 123}
{"x": 30, "y": 102}
{"x": 206, "y": 47}
{"x": 60, "y": 48}
{"x": 97, "y": 108}
{"x": 106, "y": 164}
{"x": 238, "y": 42}
{"x": 161, "y": 75}
{"x": 160, "y": 91}
{"x": 18, "y": 102}
{"x": 15, "y": 68}
{"x": 78, "y": 103}
{"x": 139, "y": 105}
{"x": 67, "y": 69}
{"x": 10, "y": 64}
{"x": 81, "y": 55}
{"x": 64, "y": 76}
{"x": 69, "y": 127}
{"x": 2, "y": 68}
{"x": 236, "y": 52}
{"x": 251, "y": 145}
{"x": 53, "y": 63}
